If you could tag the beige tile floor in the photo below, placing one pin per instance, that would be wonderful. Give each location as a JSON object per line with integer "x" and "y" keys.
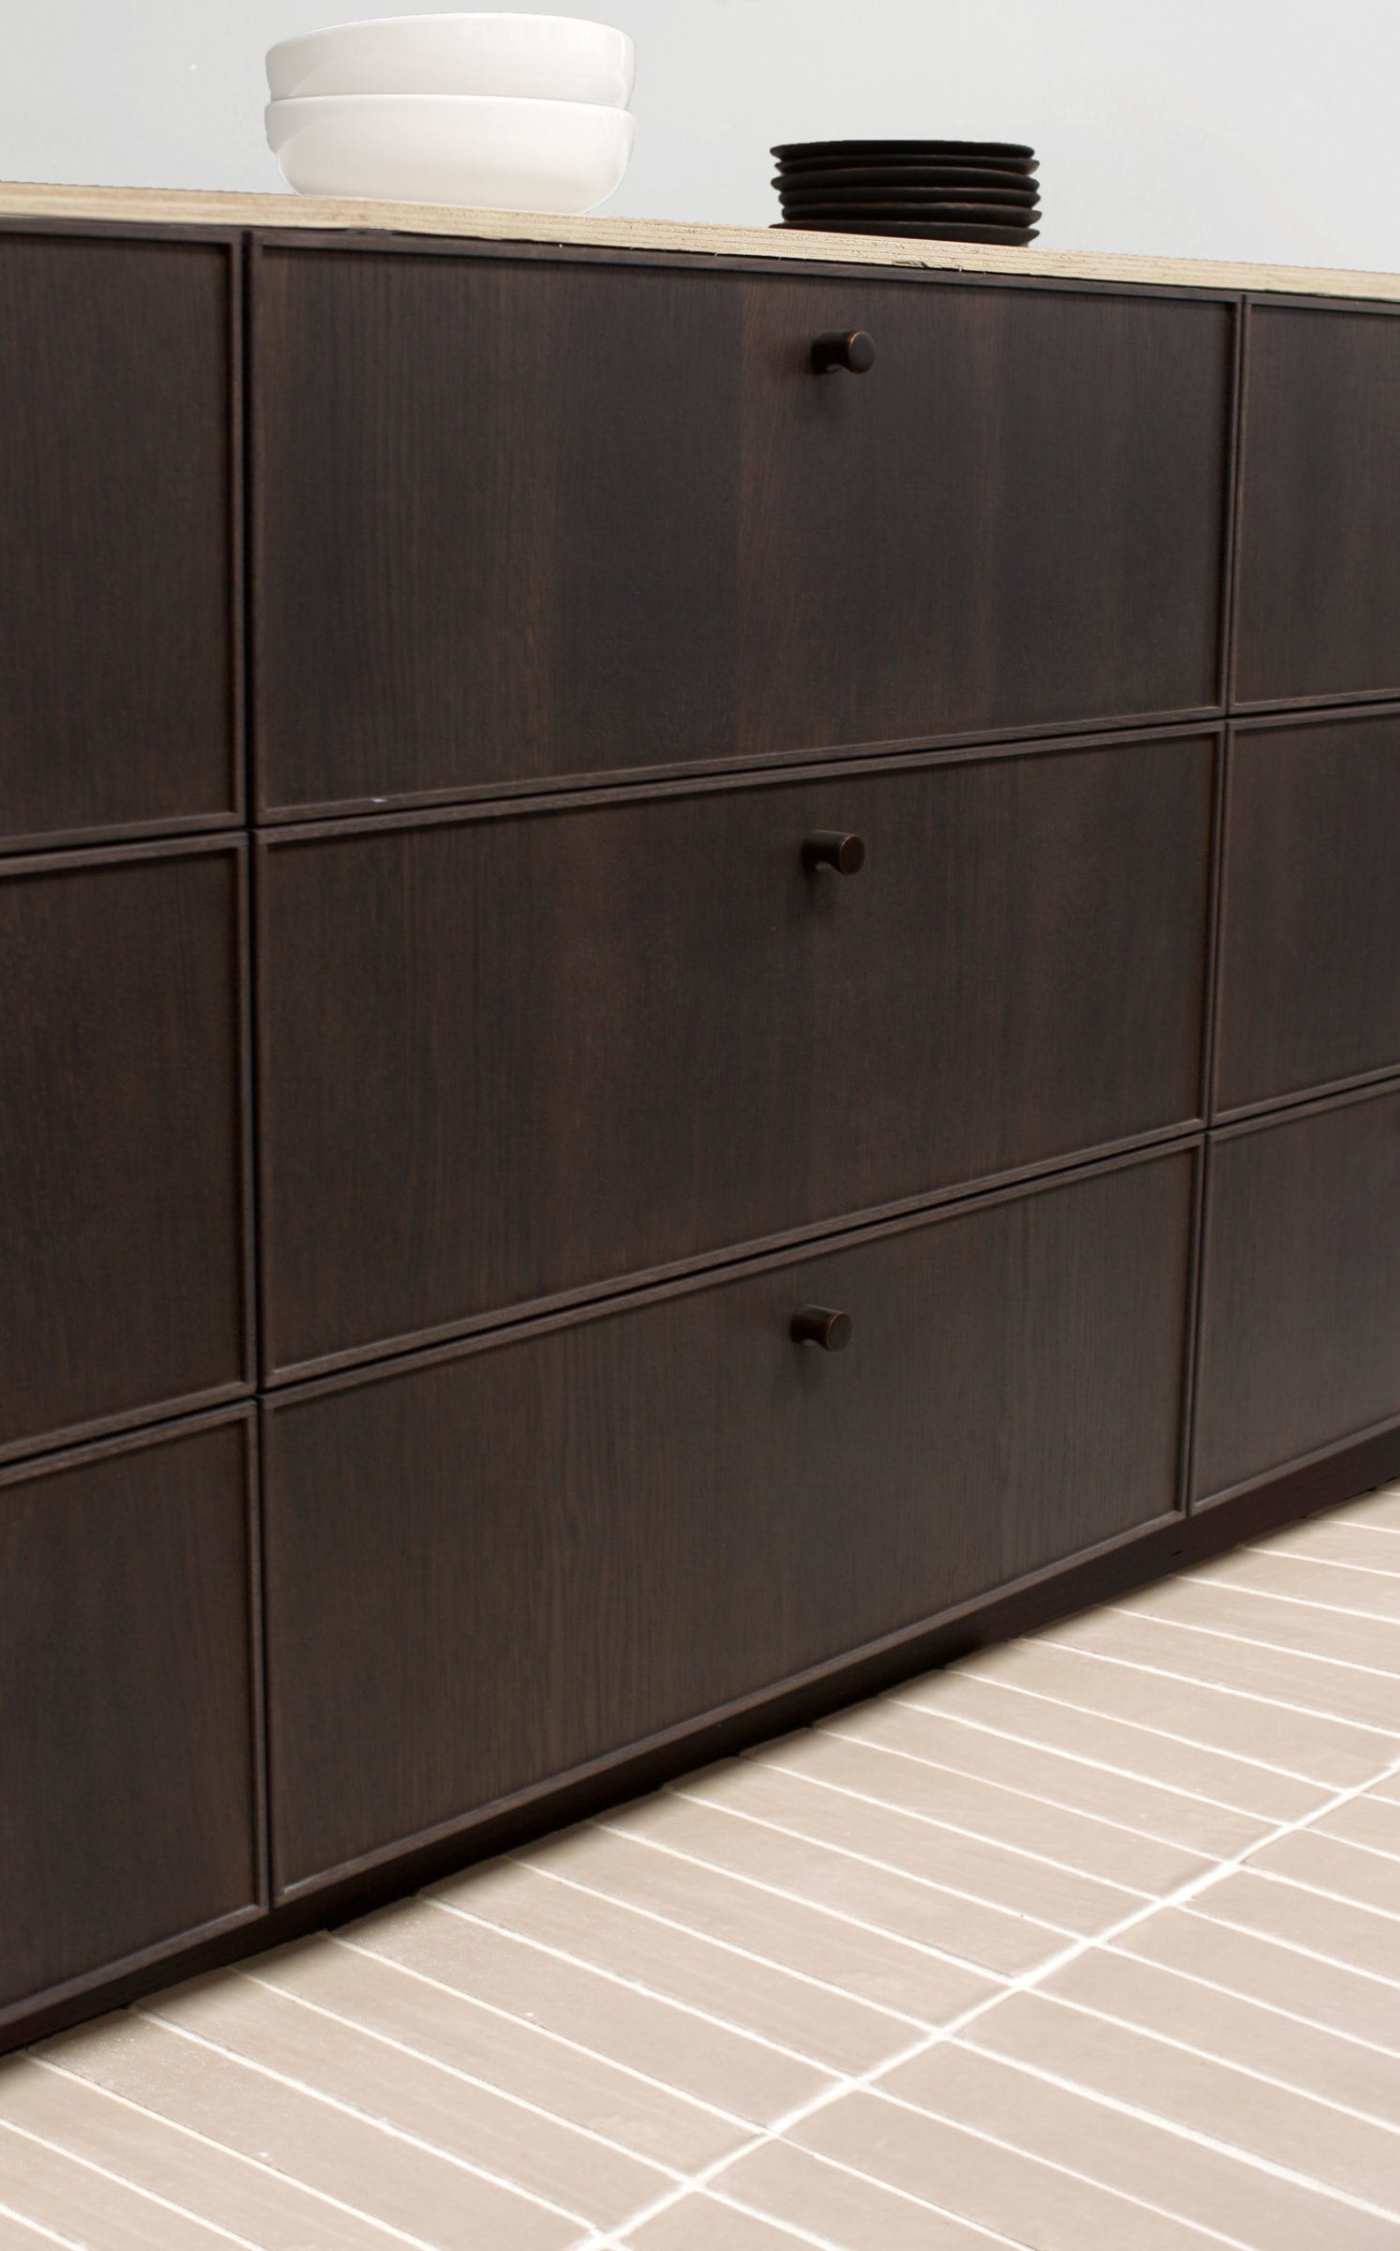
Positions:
{"x": 1092, "y": 1942}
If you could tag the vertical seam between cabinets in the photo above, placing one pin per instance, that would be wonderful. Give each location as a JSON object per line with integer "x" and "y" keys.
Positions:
{"x": 261, "y": 1698}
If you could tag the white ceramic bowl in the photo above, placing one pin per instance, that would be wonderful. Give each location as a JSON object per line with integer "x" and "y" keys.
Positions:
{"x": 496, "y": 154}
{"x": 542, "y": 58}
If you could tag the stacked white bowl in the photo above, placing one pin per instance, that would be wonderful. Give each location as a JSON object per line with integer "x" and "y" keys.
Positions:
{"x": 499, "y": 112}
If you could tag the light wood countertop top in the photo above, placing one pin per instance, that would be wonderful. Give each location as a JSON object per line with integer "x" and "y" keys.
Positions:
{"x": 215, "y": 207}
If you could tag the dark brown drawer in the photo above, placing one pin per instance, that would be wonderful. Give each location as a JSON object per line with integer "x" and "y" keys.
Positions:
{"x": 491, "y": 1565}
{"x": 511, "y": 1057}
{"x": 128, "y": 1721}
{"x": 1319, "y": 556}
{"x": 516, "y": 521}
{"x": 123, "y": 1289}
{"x": 1300, "y": 1340}
{"x": 1310, "y": 974}
{"x": 118, "y": 481}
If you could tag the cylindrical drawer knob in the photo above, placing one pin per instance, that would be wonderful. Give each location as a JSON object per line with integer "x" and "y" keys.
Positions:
{"x": 833, "y": 848}
{"x": 821, "y": 1325}
{"x": 853, "y": 351}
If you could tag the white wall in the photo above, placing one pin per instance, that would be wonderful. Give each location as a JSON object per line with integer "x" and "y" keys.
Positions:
{"x": 1211, "y": 128}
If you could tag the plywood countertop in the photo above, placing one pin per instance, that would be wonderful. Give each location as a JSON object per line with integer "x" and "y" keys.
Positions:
{"x": 215, "y": 207}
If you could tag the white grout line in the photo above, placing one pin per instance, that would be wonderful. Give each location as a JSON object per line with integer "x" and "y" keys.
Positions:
{"x": 791, "y": 2228}
{"x": 1377, "y": 1852}
{"x": 38, "y": 2230}
{"x": 362, "y": 2117}
{"x": 1174, "y": 2126}
{"x": 1323, "y": 1562}
{"x": 972, "y": 1836}
{"x": 225, "y": 2149}
{"x": 1142, "y": 2031}
{"x": 1255, "y": 1641}
{"x": 1293, "y": 1946}
{"x": 544, "y": 2032}
{"x": 1057, "y": 1751}
{"x": 1143, "y": 2117}
{"x": 738, "y": 2203}
{"x": 1301, "y": 1602}
{"x": 1253, "y": 2000}
{"x": 1104, "y": 1941}
{"x": 1032, "y": 1797}
{"x": 1323, "y": 1891}
{"x": 727, "y": 1946}
{"x": 1356, "y": 1523}
{"x": 120, "y": 2180}
{"x": 904, "y": 2195}
{"x": 1026, "y": 1982}
{"x": 465, "y": 2078}
{"x": 1142, "y": 1727}
{"x": 886, "y": 1867}
{"x": 690, "y": 1858}
{"x": 1241, "y": 1695}
{"x": 780, "y": 2127}
{"x": 646, "y": 1992}
{"x": 985, "y": 2135}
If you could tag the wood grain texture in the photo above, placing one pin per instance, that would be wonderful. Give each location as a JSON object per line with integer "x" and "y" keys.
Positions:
{"x": 122, "y": 1157}
{"x": 486, "y": 1568}
{"x": 516, "y": 522}
{"x": 1015, "y": 520}
{"x": 1319, "y": 557}
{"x": 1300, "y": 1323}
{"x": 680, "y": 237}
{"x": 127, "y": 1702}
{"x": 508, "y": 1057}
{"x": 118, "y": 697}
{"x": 1310, "y": 978}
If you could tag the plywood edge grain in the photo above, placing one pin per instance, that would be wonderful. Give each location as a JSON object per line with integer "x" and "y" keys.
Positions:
{"x": 227, "y": 208}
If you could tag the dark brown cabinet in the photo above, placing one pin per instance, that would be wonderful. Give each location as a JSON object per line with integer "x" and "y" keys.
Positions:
{"x": 521, "y": 521}
{"x": 486, "y": 1568}
{"x": 119, "y": 643}
{"x": 1310, "y": 923}
{"x": 1319, "y": 557}
{"x": 129, "y": 1725}
{"x": 507, "y": 1058}
{"x": 748, "y": 1080}
{"x": 123, "y": 1287}
{"x": 1300, "y": 1323}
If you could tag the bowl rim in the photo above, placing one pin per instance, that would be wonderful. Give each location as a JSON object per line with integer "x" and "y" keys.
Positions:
{"x": 494, "y": 101}
{"x": 442, "y": 16}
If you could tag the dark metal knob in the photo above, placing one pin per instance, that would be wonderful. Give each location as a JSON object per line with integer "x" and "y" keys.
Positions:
{"x": 854, "y": 351}
{"x": 833, "y": 848}
{"x": 821, "y": 1324}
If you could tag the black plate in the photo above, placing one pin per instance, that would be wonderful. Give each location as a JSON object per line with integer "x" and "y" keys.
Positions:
{"x": 932, "y": 214}
{"x": 1018, "y": 171}
{"x": 995, "y": 206}
{"x": 917, "y": 228}
{"x": 787, "y": 150}
{"x": 1007, "y": 187}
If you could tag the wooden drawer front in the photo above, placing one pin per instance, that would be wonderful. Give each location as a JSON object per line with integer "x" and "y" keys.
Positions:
{"x": 1310, "y": 977}
{"x": 1319, "y": 555}
{"x": 513, "y": 1057}
{"x": 127, "y": 1715}
{"x": 117, "y": 667}
{"x": 1300, "y": 1343}
{"x": 516, "y": 521}
{"x": 485, "y": 1568}
{"x": 122, "y": 1285}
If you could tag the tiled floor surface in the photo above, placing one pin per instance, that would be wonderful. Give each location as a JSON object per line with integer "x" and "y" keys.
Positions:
{"x": 1089, "y": 1945}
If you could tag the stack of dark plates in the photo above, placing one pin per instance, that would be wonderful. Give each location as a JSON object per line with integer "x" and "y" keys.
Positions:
{"x": 956, "y": 191}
